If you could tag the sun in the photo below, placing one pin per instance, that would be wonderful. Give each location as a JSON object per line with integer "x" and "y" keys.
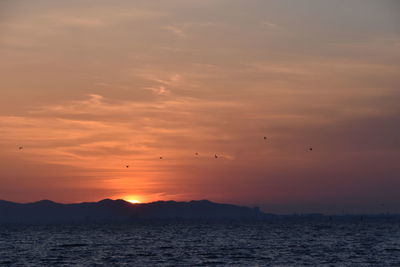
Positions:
{"x": 133, "y": 201}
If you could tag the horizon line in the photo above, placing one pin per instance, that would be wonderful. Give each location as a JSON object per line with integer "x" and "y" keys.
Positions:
{"x": 206, "y": 200}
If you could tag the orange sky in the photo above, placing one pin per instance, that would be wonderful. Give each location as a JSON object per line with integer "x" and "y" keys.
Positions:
{"x": 88, "y": 87}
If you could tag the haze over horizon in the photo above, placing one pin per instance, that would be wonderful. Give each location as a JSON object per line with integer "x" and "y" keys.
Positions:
{"x": 93, "y": 93}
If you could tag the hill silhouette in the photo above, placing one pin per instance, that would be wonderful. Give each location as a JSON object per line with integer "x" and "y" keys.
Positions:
{"x": 107, "y": 210}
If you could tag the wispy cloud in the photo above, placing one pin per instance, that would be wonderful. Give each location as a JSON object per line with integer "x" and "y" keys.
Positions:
{"x": 179, "y": 32}
{"x": 112, "y": 128}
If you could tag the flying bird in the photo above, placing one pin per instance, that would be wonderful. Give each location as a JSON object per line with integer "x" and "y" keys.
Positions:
{"x": 160, "y": 157}
{"x": 21, "y": 147}
{"x": 216, "y": 156}
{"x": 196, "y": 153}
{"x": 127, "y": 166}
{"x": 265, "y": 138}
{"x": 310, "y": 149}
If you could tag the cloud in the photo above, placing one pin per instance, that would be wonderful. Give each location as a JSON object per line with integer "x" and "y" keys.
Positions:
{"x": 270, "y": 26}
{"x": 113, "y": 128}
{"x": 176, "y": 31}
{"x": 101, "y": 16}
{"x": 165, "y": 86}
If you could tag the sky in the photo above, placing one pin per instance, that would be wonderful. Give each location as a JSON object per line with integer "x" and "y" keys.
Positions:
{"x": 88, "y": 87}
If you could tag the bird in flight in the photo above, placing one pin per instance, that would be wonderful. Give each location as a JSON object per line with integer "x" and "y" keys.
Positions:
{"x": 310, "y": 149}
{"x": 161, "y": 158}
{"x": 265, "y": 138}
{"x": 127, "y": 166}
{"x": 196, "y": 153}
{"x": 216, "y": 156}
{"x": 21, "y": 147}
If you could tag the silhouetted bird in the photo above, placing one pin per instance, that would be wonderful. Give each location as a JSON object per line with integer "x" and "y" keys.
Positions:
{"x": 196, "y": 154}
{"x": 21, "y": 147}
{"x": 310, "y": 149}
{"x": 160, "y": 157}
{"x": 265, "y": 138}
{"x": 127, "y": 166}
{"x": 216, "y": 156}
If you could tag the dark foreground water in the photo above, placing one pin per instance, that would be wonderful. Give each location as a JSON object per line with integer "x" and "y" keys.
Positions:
{"x": 236, "y": 243}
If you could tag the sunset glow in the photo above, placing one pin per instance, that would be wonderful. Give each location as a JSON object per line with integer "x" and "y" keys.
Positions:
{"x": 133, "y": 201}
{"x": 171, "y": 100}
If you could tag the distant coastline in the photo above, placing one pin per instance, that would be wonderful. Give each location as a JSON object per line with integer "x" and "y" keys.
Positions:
{"x": 120, "y": 210}
{"x": 107, "y": 210}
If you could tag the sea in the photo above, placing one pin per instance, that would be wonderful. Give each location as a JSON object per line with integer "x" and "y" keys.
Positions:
{"x": 203, "y": 243}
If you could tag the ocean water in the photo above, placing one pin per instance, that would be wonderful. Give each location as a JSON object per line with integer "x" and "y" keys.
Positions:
{"x": 206, "y": 243}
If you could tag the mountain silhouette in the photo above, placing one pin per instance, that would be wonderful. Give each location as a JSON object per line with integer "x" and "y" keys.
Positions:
{"x": 107, "y": 210}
